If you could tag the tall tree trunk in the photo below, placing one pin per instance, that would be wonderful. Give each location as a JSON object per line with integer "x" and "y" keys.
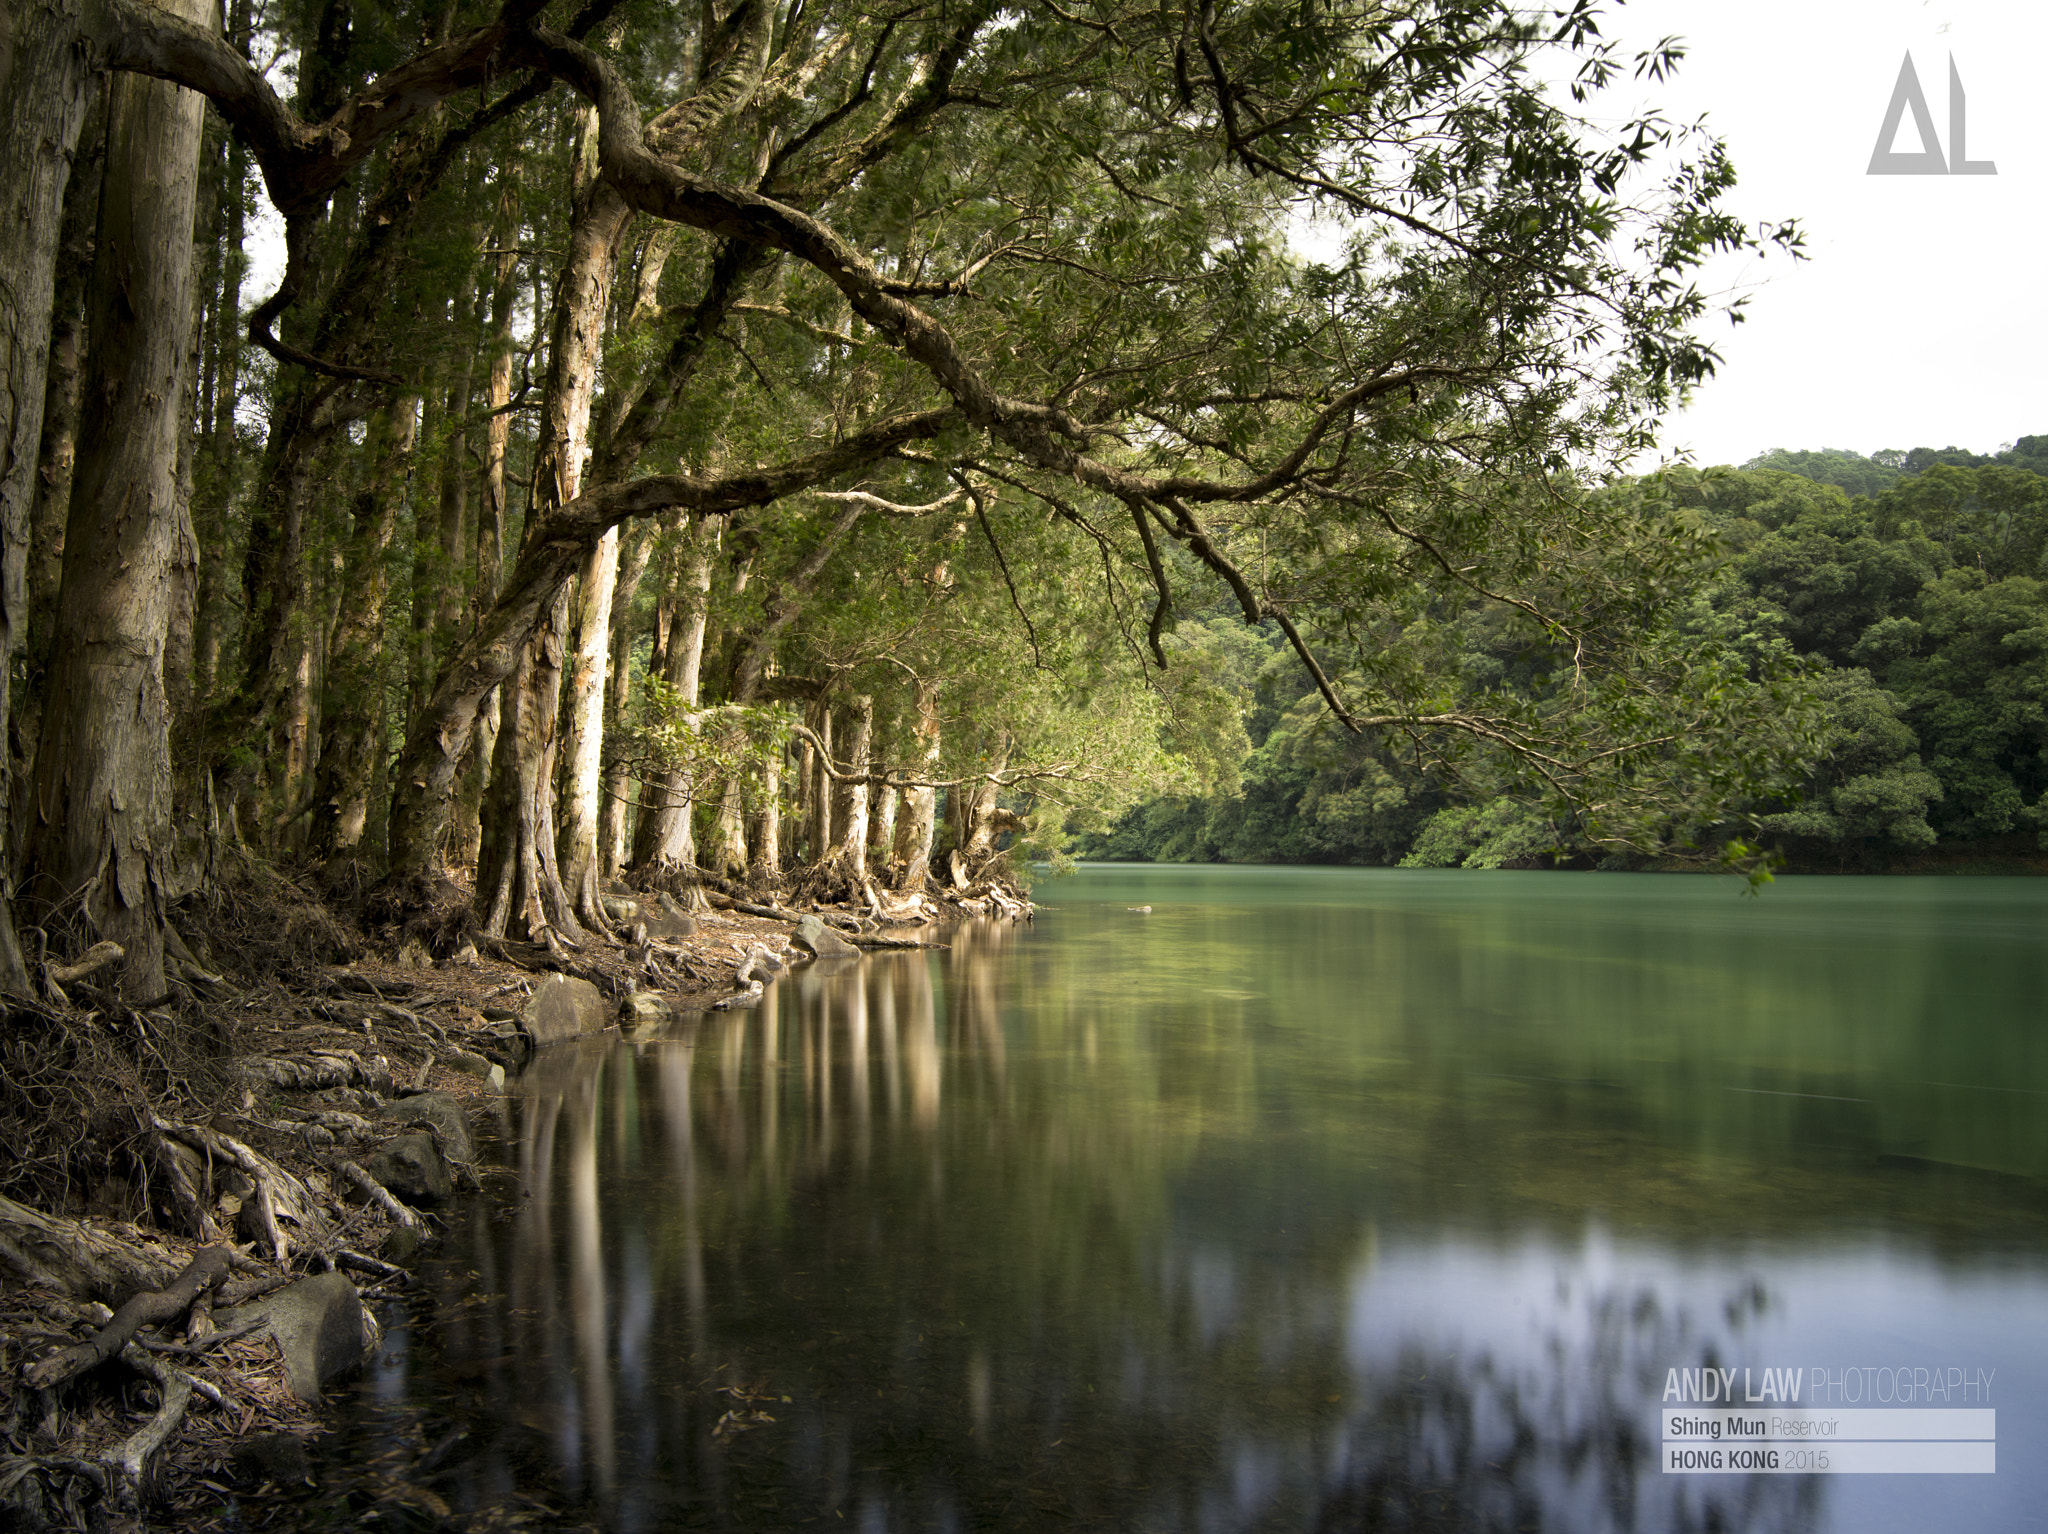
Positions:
{"x": 179, "y": 632}
{"x": 441, "y": 547}
{"x": 768, "y": 823}
{"x": 976, "y": 819}
{"x": 910, "y": 858}
{"x": 852, "y": 796}
{"x": 216, "y": 492}
{"x": 590, "y": 633}
{"x": 352, "y": 689}
{"x": 729, "y": 837}
{"x": 439, "y": 742}
{"x": 518, "y": 880}
{"x": 613, "y": 830}
{"x": 821, "y": 789}
{"x": 519, "y": 886}
{"x": 57, "y": 452}
{"x": 45, "y": 89}
{"x": 666, "y": 838}
{"x": 492, "y": 517}
{"x": 882, "y": 829}
{"x": 99, "y": 831}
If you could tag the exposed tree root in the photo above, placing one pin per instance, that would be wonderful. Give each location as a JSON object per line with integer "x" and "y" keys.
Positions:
{"x": 205, "y": 1272}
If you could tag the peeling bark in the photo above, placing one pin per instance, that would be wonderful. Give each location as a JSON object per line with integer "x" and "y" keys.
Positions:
{"x": 519, "y": 887}
{"x": 590, "y": 619}
{"x": 666, "y": 839}
{"x": 614, "y": 846}
{"x": 910, "y": 856}
{"x": 99, "y": 830}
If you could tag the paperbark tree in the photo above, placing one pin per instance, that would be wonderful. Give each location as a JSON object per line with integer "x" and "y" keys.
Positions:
{"x": 99, "y": 829}
{"x": 517, "y": 861}
{"x": 666, "y": 841}
{"x": 917, "y": 825}
{"x": 590, "y": 619}
{"x": 44, "y": 91}
{"x": 1050, "y": 237}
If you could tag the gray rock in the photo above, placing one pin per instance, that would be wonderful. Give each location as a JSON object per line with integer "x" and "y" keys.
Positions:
{"x": 320, "y": 1327}
{"x": 467, "y": 1063}
{"x": 621, "y": 909}
{"x": 666, "y": 921}
{"x": 815, "y": 937}
{"x": 412, "y": 1168}
{"x": 565, "y": 1008}
{"x": 440, "y": 1110}
{"x": 748, "y": 997}
{"x": 642, "y": 1009}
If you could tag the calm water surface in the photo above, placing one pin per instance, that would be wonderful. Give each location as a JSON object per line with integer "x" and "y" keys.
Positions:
{"x": 1310, "y": 1200}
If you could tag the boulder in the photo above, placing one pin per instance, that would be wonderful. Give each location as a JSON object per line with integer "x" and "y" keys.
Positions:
{"x": 440, "y": 1110}
{"x": 469, "y": 1064}
{"x": 642, "y": 1009}
{"x": 814, "y": 937}
{"x": 320, "y": 1326}
{"x": 412, "y": 1168}
{"x": 564, "y": 1008}
{"x": 666, "y": 921}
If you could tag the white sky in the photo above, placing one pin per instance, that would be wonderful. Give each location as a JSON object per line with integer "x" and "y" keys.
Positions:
{"x": 1921, "y": 317}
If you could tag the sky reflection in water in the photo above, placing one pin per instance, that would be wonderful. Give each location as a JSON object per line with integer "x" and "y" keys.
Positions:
{"x": 1312, "y": 1200}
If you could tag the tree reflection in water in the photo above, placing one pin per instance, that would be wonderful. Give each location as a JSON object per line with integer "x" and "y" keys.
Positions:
{"x": 865, "y": 1257}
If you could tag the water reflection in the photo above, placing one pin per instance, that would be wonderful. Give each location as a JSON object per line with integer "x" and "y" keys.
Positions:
{"x": 1061, "y": 1234}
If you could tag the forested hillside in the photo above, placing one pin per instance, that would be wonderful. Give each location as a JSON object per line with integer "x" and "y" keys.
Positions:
{"x": 1914, "y": 586}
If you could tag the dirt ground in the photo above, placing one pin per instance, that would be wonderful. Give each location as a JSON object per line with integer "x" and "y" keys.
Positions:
{"x": 90, "y": 1089}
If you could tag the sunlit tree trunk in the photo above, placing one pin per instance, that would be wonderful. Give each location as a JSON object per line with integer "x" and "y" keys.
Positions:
{"x": 590, "y": 620}
{"x": 99, "y": 829}
{"x": 613, "y": 829}
{"x": 910, "y": 857}
{"x": 821, "y": 789}
{"x": 666, "y": 840}
{"x": 767, "y": 847}
{"x": 729, "y": 838}
{"x": 853, "y": 798}
{"x": 882, "y": 826}
{"x": 977, "y": 821}
{"x": 519, "y": 886}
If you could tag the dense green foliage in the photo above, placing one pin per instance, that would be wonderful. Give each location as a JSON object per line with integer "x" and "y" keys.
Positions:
{"x": 1923, "y": 604}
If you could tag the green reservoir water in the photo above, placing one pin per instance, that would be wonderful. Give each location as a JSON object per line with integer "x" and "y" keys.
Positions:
{"x": 1309, "y": 1200}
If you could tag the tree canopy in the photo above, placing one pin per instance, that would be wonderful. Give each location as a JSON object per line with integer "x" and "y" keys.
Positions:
{"x": 993, "y": 353}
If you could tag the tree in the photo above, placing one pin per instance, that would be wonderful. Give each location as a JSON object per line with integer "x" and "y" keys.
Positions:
{"x": 1039, "y": 256}
{"x": 98, "y": 830}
